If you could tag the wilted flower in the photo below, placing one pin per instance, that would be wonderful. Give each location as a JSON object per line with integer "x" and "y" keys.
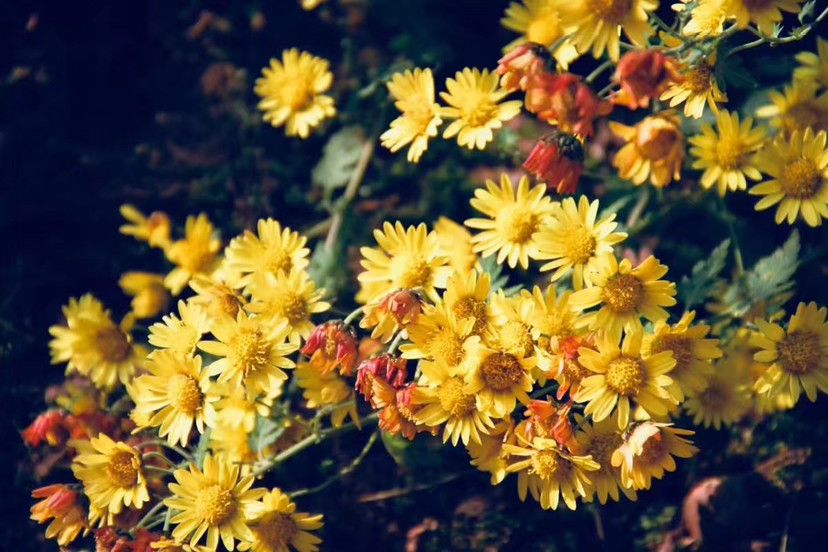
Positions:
{"x": 643, "y": 76}
{"x": 48, "y": 427}
{"x": 62, "y": 504}
{"x": 332, "y": 345}
{"x": 558, "y": 160}
{"x": 564, "y": 100}
{"x": 654, "y": 148}
{"x": 520, "y": 65}
{"x": 385, "y": 367}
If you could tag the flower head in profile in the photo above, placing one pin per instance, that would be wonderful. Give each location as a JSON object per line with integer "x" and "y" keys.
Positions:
{"x": 514, "y": 217}
{"x": 797, "y": 107}
{"x": 292, "y": 91}
{"x": 725, "y": 400}
{"x": 648, "y": 452}
{"x": 149, "y": 296}
{"x": 765, "y": 14}
{"x": 195, "y": 254}
{"x": 643, "y": 76}
{"x": 154, "y": 229}
{"x": 798, "y": 167}
{"x": 600, "y": 440}
{"x": 597, "y": 26}
{"x": 727, "y": 156}
{"x": 272, "y": 249}
{"x": 707, "y": 18}
{"x": 474, "y": 99}
{"x": 217, "y": 294}
{"x": 557, "y": 160}
{"x": 695, "y": 88}
{"x": 413, "y": 93}
{"x": 112, "y": 473}
{"x": 62, "y": 505}
{"x": 214, "y": 502}
{"x": 277, "y": 526}
{"x": 332, "y": 346}
{"x": 181, "y": 335}
{"x": 813, "y": 66}
{"x": 654, "y": 149}
{"x": 538, "y": 22}
{"x": 566, "y": 101}
{"x": 392, "y": 313}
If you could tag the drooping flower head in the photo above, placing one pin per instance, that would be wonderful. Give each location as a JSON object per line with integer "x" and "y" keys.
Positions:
{"x": 566, "y": 101}
{"x": 696, "y": 87}
{"x": 648, "y": 452}
{"x": 332, "y": 346}
{"x": 519, "y": 66}
{"x": 277, "y": 526}
{"x": 654, "y": 149}
{"x": 393, "y": 312}
{"x": 413, "y": 93}
{"x": 557, "y": 160}
{"x": 643, "y": 76}
{"x": 62, "y": 505}
{"x": 196, "y": 253}
{"x": 112, "y": 473}
{"x": 149, "y": 296}
{"x": 155, "y": 229}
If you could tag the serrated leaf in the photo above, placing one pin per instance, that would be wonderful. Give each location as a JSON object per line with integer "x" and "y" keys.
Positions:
{"x": 806, "y": 11}
{"x": 266, "y": 432}
{"x": 327, "y": 269}
{"x": 201, "y": 449}
{"x": 490, "y": 267}
{"x": 693, "y": 290}
{"x": 772, "y": 275}
{"x": 339, "y": 158}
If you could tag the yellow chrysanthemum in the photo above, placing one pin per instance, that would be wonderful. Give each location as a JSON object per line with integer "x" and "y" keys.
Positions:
{"x": 292, "y": 92}
{"x": 625, "y": 294}
{"x": 413, "y": 93}
{"x": 175, "y": 395}
{"x": 540, "y": 22}
{"x": 292, "y": 297}
{"x": 155, "y": 229}
{"x": 446, "y": 400}
{"x": 407, "y": 258}
{"x": 235, "y": 410}
{"x": 696, "y": 87}
{"x": 622, "y": 376}
{"x": 552, "y": 316}
{"x": 488, "y": 454}
{"x": 438, "y": 333}
{"x": 597, "y": 24}
{"x": 195, "y": 254}
{"x": 554, "y": 323}
{"x": 707, "y": 18}
{"x": 648, "y": 452}
{"x": 690, "y": 349}
{"x": 798, "y": 357}
{"x": 654, "y": 149}
{"x": 251, "y": 353}
{"x": 474, "y": 98}
{"x": 549, "y": 473}
{"x": 215, "y": 502}
{"x": 455, "y": 242}
{"x": 181, "y": 335}
{"x": 726, "y": 399}
{"x": 572, "y": 240}
{"x": 93, "y": 346}
{"x": 764, "y": 13}
{"x": 61, "y": 505}
{"x": 511, "y": 327}
{"x": 277, "y": 526}
{"x": 727, "y": 157}
{"x": 271, "y": 250}
{"x": 514, "y": 218}
{"x": 813, "y": 67}
{"x": 111, "y": 473}
{"x": 216, "y": 296}
{"x": 498, "y": 379}
{"x": 798, "y": 167}
{"x": 329, "y": 389}
{"x": 233, "y": 446}
{"x": 149, "y": 296}
{"x": 599, "y": 440}
{"x": 797, "y": 107}
{"x": 467, "y": 297}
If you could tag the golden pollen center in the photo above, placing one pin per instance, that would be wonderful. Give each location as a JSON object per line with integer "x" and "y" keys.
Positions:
{"x": 294, "y": 308}
{"x": 518, "y": 224}
{"x": 446, "y": 344}
{"x": 453, "y": 399}
{"x": 112, "y": 344}
{"x": 276, "y": 530}
{"x": 481, "y": 111}
{"x": 601, "y": 448}
{"x": 544, "y": 30}
{"x": 296, "y": 94}
{"x": 279, "y": 261}
{"x": 800, "y": 352}
{"x": 411, "y": 272}
{"x": 803, "y": 115}
{"x": 623, "y": 293}
{"x": 215, "y": 504}
{"x": 730, "y": 152}
{"x": 500, "y": 371}
{"x": 470, "y": 307}
{"x": 515, "y": 336}
{"x": 545, "y": 464}
{"x": 251, "y": 350}
{"x": 800, "y": 178}
{"x": 573, "y": 370}
{"x": 612, "y": 11}
{"x": 698, "y": 80}
{"x": 580, "y": 245}
{"x": 184, "y": 394}
{"x": 681, "y": 347}
{"x": 625, "y": 376}
{"x": 123, "y": 469}
{"x": 716, "y": 396}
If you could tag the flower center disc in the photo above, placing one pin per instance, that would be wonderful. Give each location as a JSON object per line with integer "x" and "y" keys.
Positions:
{"x": 112, "y": 344}
{"x": 184, "y": 394}
{"x": 800, "y": 352}
{"x": 729, "y": 152}
{"x": 580, "y": 245}
{"x": 294, "y": 308}
{"x": 518, "y": 225}
{"x": 215, "y": 504}
{"x": 469, "y": 307}
{"x": 623, "y": 293}
{"x": 411, "y": 272}
{"x": 800, "y": 179}
{"x": 680, "y": 347}
{"x": 447, "y": 345}
{"x": 610, "y": 10}
{"x": 122, "y": 469}
{"x": 250, "y": 350}
{"x": 625, "y": 376}
{"x": 500, "y": 371}
{"x": 453, "y": 398}
{"x": 276, "y": 530}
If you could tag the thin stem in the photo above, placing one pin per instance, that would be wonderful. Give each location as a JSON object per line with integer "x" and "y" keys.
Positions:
{"x": 665, "y": 27}
{"x": 350, "y": 192}
{"x": 746, "y": 46}
{"x": 351, "y": 317}
{"x": 393, "y": 493}
{"x": 598, "y": 70}
{"x": 154, "y": 510}
{"x": 638, "y": 209}
{"x": 396, "y": 343}
{"x": 161, "y": 470}
{"x": 343, "y": 472}
{"x": 543, "y": 391}
{"x": 734, "y": 238}
{"x": 152, "y": 454}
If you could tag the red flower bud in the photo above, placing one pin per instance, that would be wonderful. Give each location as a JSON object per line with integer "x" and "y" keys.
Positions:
{"x": 643, "y": 75}
{"x": 557, "y": 160}
{"x": 385, "y": 367}
{"x": 332, "y": 345}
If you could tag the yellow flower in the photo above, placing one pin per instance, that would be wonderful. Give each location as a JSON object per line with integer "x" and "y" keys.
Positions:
{"x": 181, "y": 335}
{"x": 232, "y": 446}
{"x": 455, "y": 242}
{"x": 150, "y": 297}
{"x": 765, "y": 14}
{"x": 597, "y": 24}
{"x": 446, "y": 400}
{"x": 599, "y": 440}
{"x": 514, "y": 218}
{"x": 554, "y": 323}
{"x": 798, "y": 357}
{"x": 195, "y": 254}
{"x": 154, "y": 229}
{"x": 690, "y": 349}
{"x": 329, "y": 389}
{"x": 292, "y": 92}
{"x": 292, "y": 297}
{"x": 62, "y": 505}
{"x": 216, "y": 296}
{"x": 625, "y": 294}
{"x": 311, "y": 4}
{"x": 540, "y": 22}
{"x": 797, "y": 108}
{"x": 696, "y": 88}
{"x": 727, "y": 157}
{"x": 407, "y": 258}
{"x": 271, "y": 250}
{"x": 215, "y": 502}
{"x": 654, "y": 148}
{"x": 622, "y": 375}
{"x": 93, "y": 346}
{"x": 813, "y": 66}
{"x": 438, "y": 333}
{"x": 236, "y": 411}
{"x": 488, "y": 454}
{"x": 725, "y": 400}
{"x": 511, "y": 329}
{"x": 574, "y": 241}
{"x": 549, "y": 473}
{"x": 252, "y": 354}
{"x": 474, "y": 98}
{"x": 414, "y": 97}
{"x": 277, "y": 525}
{"x": 175, "y": 395}
{"x": 498, "y": 379}
{"x": 111, "y": 473}
{"x": 707, "y": 18}
{"x": 648, "y": 452}
{"x": 799, "y": 170}
{"x": 467, "y": 296}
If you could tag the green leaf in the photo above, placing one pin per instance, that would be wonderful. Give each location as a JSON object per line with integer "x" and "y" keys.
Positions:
{"x": 704, "y": 276}
{"x": 806, "y": 11}
{"x": 339, "y": 158}
{"x": 772, "y": 275}
{"x": 201, "y": 449}
{"x": 327, "y": 269}
{"x": 490, "y": 266}
{"x": 266, "y": 432}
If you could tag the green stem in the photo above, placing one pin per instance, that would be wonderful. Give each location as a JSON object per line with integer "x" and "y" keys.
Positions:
{"x": 734, "y": 237}
{"x": 343, "y": 472}
{"x": 154, "y": 510}
{"x": 351, "y": 317}
{"x": 598, "y": 70}
{"x": 396, "y": 343}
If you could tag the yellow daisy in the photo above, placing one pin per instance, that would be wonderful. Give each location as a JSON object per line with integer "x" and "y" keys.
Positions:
{"x": 798, "y": 356}
{"x": 599, "y": 440}
{"x": 813, "y": 66}
{"x": 653, "y": 148}
{"x": 235, "y": 410}
{"x": 292, "y": 297}
{"x": 648, "y": 452}
{"x": 597, "y": 25}
{"x": 175, "y": 395}
{"x": 111, "y": 473}
{"x": 277, "y": 526}
{"x": 514, "y": 218}
{"x": 696, "y": 87}
{"x": 407, "y": 258}
{"x": 214, "y": 501}
{"x": 233, "y": 447}
{"x": 455, "y": 242}
{"x": 625, "y": 294}
{"x": 292, "y": 92}
{"x": 251, "y": 353}
{"x": 195, "y": 254}
{"x": 511, "y": 328}
{"x": 181, "y": 335}
{"x": 438, "y": 333}
{"x": 488, "y": 454}
{"x": 413, "y": 93}
{"x": 474, "y": 98}
{"x": 155, "y": 229}
{"x": 725, "y": 400}
{"x": 467, "y": 297}
{"x": 621, "y": 376}
{"x": 727, "y": 157}
{"x": 707, "y": 18}
{"x": 539, "y": 22}
{"x": 327, "y": 390}
{"x": 572, "y": 240}
{"x": 799, "y": 169}
{"x": 498, "y": 379}
{"x": 216, "y": 296}
{"x": 271, "y": 250}
{"x": 149, "y": 296}
{"x": 549, "y": 473}
{"x": 765, "y": 14}
{"x": 797, "y": 107}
